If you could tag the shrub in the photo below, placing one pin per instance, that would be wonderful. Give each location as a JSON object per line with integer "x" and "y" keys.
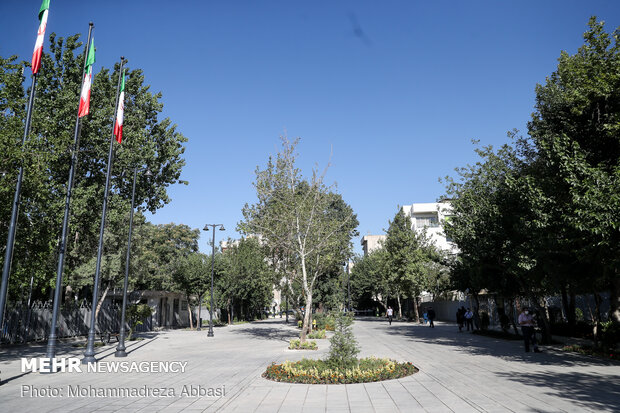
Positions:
{"x": 317, "y": 334}
{"x": 324, "y": 321}
{"x": 322, "y": 372}
{"x": 581, "y": 329}
{"x": 484, "y": 320}
{"x": 135, "y": 314}
{"x": 610, "y": 334}
{"x": 590, "y": 351}
{"x": 343, "y": 348}
{"x": 504, "y": 320}
{"x": 298, "y": 345}
{"x": 579, "y": 314}
{"x": 319, "y": 320}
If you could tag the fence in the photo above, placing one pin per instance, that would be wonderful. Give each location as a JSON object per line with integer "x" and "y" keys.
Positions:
{"x": 23, "y": 324}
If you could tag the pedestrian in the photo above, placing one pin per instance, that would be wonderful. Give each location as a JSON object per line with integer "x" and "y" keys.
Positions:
{"x": 469, "y": 319}
{"x": 526, "y": 321}
{"x": 390, "y": 313}
{"x": 431, "y": 316}
{"x": 460, "y": 318}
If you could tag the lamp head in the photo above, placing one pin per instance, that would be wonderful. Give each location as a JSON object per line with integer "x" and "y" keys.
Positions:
{"x": 222, "y": 228}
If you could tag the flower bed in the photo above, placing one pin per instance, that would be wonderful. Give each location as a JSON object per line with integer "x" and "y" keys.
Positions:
{"x": 298, "y": 345}
{"x": 317, "y": 334}
{"x": 310, "y": 371}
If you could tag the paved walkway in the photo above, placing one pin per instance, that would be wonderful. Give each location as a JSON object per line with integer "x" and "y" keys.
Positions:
{"x": 459, "y": 372}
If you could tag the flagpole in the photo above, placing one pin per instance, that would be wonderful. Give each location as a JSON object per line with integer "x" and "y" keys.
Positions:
{"x": 120, "y": 348}
{"x": 10, "y": 242}
{"x": 51, "y": 341}
{"x": 89, "y": 354}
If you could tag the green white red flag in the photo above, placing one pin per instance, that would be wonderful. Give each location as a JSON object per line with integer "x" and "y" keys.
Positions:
{"x": 38, "y": 46}
{"x": 118, "y": 125}
{"x": 88, "y": 78}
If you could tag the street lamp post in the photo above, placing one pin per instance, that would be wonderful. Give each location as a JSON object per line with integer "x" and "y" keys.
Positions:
{"x": 120, "y": 348}
{"x": 206, "y": 228}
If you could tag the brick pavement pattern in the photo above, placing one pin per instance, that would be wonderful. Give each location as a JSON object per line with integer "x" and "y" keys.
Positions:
{"x": 459, "y": 372}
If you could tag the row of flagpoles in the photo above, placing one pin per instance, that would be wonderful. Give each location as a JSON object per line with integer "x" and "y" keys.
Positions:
{"x": 117, "y": 134}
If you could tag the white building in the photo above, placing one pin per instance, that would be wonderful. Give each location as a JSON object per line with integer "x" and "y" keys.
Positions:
{"x": 371, "y": 243}
{"x": 430, "y": 217}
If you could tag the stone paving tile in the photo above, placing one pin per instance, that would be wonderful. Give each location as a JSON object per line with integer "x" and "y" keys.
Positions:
{"x": 458, "y": 372}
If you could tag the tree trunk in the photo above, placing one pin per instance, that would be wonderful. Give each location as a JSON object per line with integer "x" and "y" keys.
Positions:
{"x": 191, "y": 316}
{"x": 476, "y": 311}
{"x": 400, "y": 310}
{"x": 100, "y": 303}
{"x": 572, "y": 319}
{"x": 306, "y": 325}
{"x": 546, "y": 331}
{"x": 512, "y": 304}
{"x": 199, "y": 322}
{"x": 597, "y": 323}
{"x": 415, "y": 309}
{"x": 614, "y": 298}
{"x": 229, "y": 308}
{"x": 380, "y": 301}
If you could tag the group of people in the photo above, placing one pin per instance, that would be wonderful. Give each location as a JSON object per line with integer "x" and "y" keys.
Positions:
{"x": 465, "y": 317}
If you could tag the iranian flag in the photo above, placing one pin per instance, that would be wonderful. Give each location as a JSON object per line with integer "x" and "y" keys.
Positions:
{"x": 88, "y": 78}
{"x": 38, "y": 46}
{"x": 118, "y": 125}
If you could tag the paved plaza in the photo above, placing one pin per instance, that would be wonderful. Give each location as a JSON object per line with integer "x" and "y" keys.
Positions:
{"x": 459, "y": 372}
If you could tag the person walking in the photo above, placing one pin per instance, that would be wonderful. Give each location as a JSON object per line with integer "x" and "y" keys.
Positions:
{"x": 526, "y": 321}
{"x": 460, "y": 318}
{"x": 469, "y": 319}
{"x": 390, "y": 313}
{"x": 431, "y": 316}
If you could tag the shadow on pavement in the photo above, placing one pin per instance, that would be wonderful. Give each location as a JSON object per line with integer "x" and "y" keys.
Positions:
{"x": 268, "y": 333}
{"x": 448, "y": 335}
{"x": 5, "y": 381}
{"x": 271, "y": 329}
{"x": 590, "y": 391}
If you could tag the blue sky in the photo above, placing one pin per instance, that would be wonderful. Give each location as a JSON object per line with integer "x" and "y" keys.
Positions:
{"x": 394, "y": 90}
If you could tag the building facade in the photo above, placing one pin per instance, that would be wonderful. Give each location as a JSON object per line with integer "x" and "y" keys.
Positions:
{"x": 430, "y": 217}
{"x": 372, "y": 242}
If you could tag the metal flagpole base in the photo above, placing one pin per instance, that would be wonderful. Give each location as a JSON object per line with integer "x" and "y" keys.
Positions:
{"x": 89, "y": 359}
{"x": 120, "y": 353}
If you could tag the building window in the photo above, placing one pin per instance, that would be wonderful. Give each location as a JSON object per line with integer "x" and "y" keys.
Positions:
{"x": 427, "y": 221}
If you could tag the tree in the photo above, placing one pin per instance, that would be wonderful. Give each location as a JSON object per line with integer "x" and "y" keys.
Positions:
{"x": 292, "y": 216}
{"x": 575, "y": 134}
{"x": 191, "y": 275}
{"x": 405, "y": 260}
{"x": 150, "y": 141}
{"x": 160, "y": 249}
{"x": 246, "y": 280}
{"x": 371, "y": 277}
{"x": 496, "y": 224}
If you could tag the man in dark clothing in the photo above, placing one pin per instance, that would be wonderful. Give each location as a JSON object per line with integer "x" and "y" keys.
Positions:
{"x": 460, "y": 318}
{"x": 431, "y": 316}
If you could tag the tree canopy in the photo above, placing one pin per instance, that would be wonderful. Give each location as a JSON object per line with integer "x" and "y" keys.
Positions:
{"x": 150, "y": 142}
